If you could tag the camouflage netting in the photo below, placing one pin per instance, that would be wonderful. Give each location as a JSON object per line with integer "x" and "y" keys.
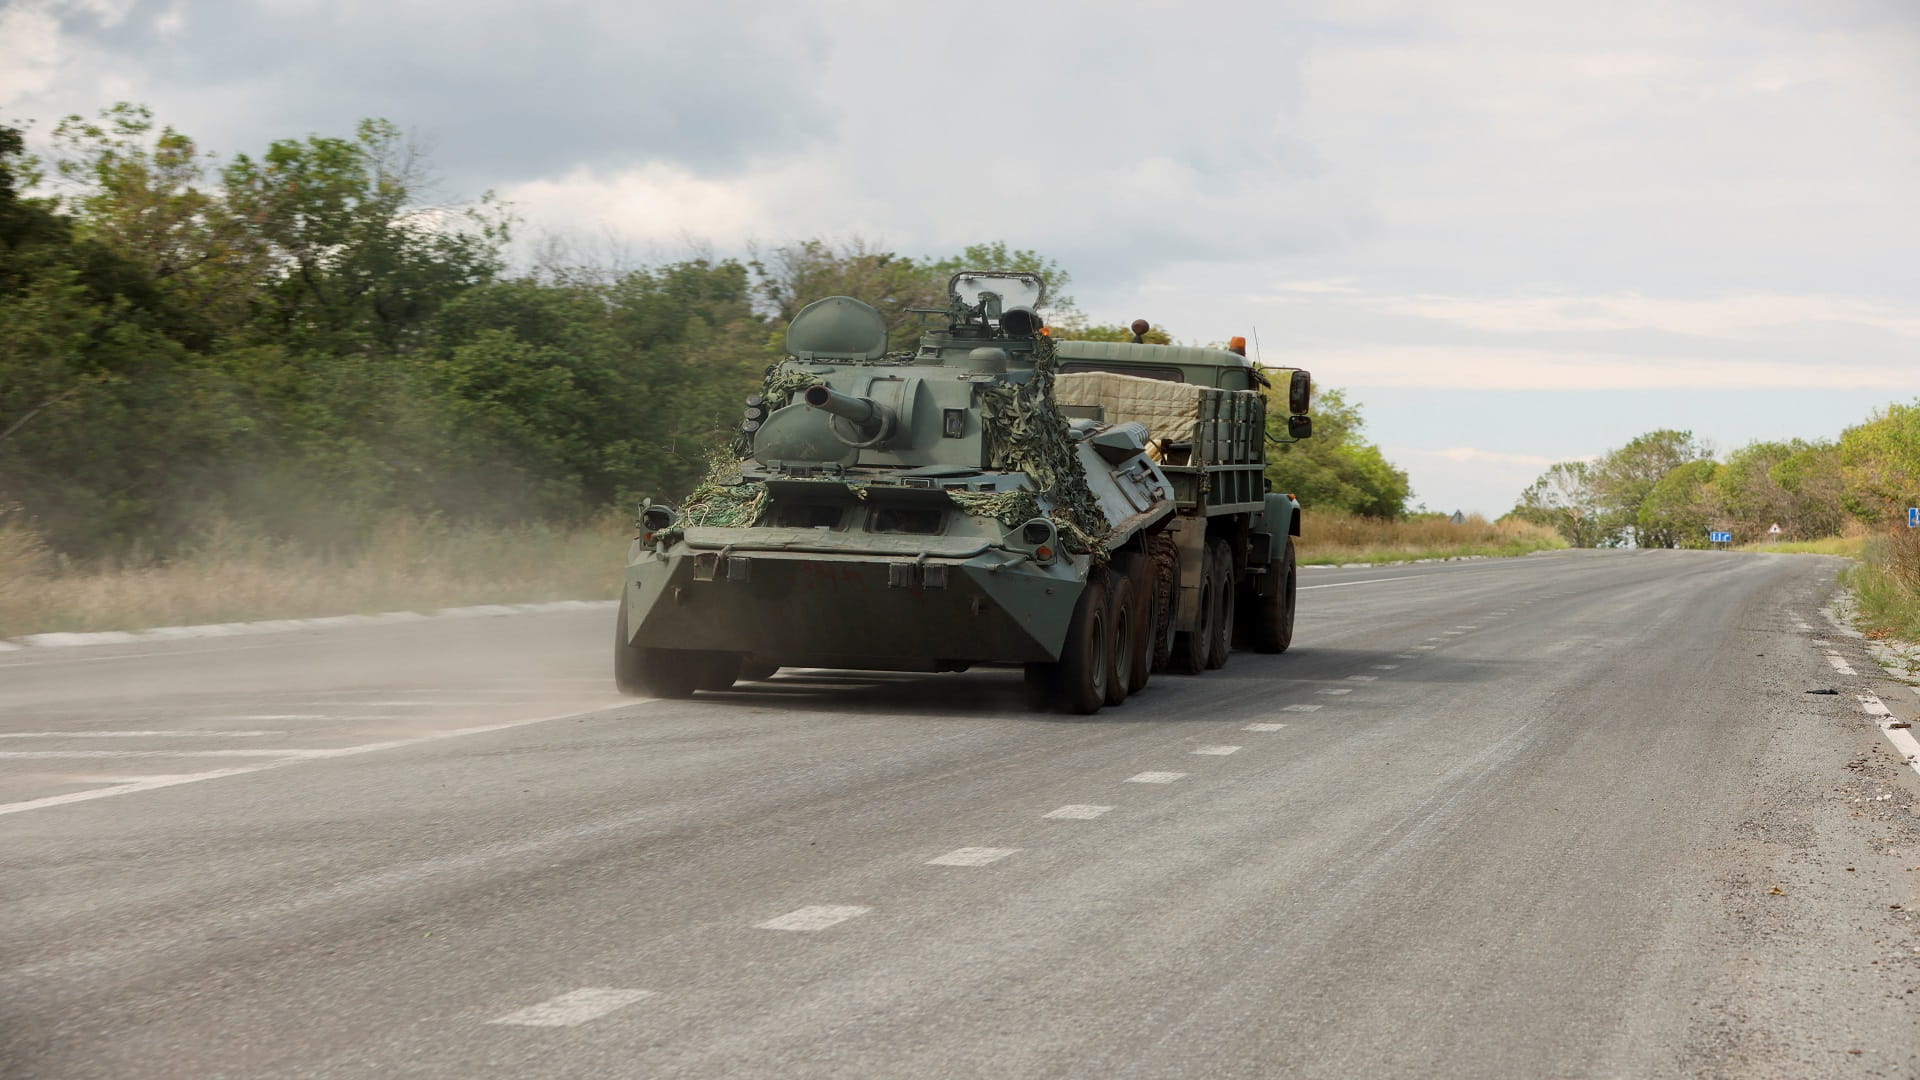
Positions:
{"x": 1010, "y": 508}
{"x": 777, "y": 388}
{"x": 723, "y": 499}
{"x": 1025, "y": 433}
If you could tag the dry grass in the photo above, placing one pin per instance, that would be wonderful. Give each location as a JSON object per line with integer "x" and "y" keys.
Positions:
{"x": 414, "y": 564}
{"x": 234, "y": 575}
{"x": 1333, "y": 537}
{"x": 1848, "y": 546}
{"x": 1886, "y": 585}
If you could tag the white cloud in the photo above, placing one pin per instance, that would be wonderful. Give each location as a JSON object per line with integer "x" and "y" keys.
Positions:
{"x": 649, "y": 203}
{"x": 1454, "y": 367}
{"x": 30, "y": 51}
{"x": 1472, "y": 453}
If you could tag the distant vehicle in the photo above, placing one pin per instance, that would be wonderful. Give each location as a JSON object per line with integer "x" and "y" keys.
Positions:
{"x": 1094, "y": 511}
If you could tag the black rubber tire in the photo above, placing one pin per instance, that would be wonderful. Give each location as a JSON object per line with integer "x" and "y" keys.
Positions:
{"x": 1080, "y": 681}
{"x": 1270, "y": 622}
{"x": 1123, "y": 614}
{"x": 1221, "y": 647}
{"x": 1193, "y": 648}
{"x": 714, "y": 670}
{"x": 660, "y": 673}
{"x": 1164, "y": 558}
{"x": 1138, "y": 568}
{"x": 752, "y": 672}
{"x": 1038, "y": 680}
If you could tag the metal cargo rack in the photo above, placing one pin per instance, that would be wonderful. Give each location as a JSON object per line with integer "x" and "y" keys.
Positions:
{"x": 1223, "y": 470}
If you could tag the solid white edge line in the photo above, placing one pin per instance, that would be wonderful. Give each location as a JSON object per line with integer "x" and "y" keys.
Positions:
{"x": 139, "y": 734}
{"x": 75, "y": 639}
{"x": 345, "y": 751}
{"x": 1901, "y": 738}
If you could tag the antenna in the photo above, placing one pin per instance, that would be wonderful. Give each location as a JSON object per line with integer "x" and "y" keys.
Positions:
{"x": 1256, "y": 346}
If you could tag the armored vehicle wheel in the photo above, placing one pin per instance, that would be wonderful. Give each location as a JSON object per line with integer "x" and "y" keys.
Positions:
{"x": 1164, "y": 560}
{"x": 652, "y": 672}
{"x": 1147, "y": 620}
{"x": 1270, "y": 620}
{"x": 1123, "y": 611}
{"x": 713, "y": 670}
{"x": 752, "y": 672}
{"x": 1039, "y": 678}
{"x": 1221, "y": 556}
{"x": 1080, "y": 679}
{"x": 1192, "y": 648}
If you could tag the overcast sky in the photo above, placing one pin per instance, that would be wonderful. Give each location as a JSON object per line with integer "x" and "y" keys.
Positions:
{"x": 1517, "y": 233}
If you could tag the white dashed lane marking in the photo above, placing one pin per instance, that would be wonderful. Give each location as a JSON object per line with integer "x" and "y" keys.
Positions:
{"x": 1335, "y": 691}
{"x": 1386, "y": 667}
{"x": 1405, "y": 656}
{"x": 1263, "y": 727}
{"x": 1303, "y": 708}
{"x": 1216, "y": 751}
{"x": 1363, "y": 678}
{"x": 1840, "y": 665}
{"x": 1426, "y": 647}
{"x": 972, "y": 856}
{"x": 1155, "y": 777}
{"x": 817, "y": 917}
{"x": 573, "y": 1009}
{"x": 1077, "y": 812}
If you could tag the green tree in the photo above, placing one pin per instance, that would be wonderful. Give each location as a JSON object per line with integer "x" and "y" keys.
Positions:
{"x": 1811, "y": 477}
{"x": 1563, "y": 499}
{"x": 1794, "y": 484}
{"x": 360, "y": 264}
{"x": 1336, "y": 468}
{"x": 140, "y": 195}
{"x": 1682, "y": 506}
{"x": 1880, "y": 463}
{"x": 1622, "y": 479}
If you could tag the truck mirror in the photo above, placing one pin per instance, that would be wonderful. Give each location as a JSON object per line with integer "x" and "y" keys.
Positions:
{"x": 1299, "y": 395}
{"x": 1300, "y": 427}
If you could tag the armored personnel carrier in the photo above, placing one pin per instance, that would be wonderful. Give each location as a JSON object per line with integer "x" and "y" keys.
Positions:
{"x": 1091, "y": 511}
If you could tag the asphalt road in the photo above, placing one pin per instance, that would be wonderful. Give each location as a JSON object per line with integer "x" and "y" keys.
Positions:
{"x": 1568, "y": 815}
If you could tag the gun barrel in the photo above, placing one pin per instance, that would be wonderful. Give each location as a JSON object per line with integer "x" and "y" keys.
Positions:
{"x": 872, "y": 419}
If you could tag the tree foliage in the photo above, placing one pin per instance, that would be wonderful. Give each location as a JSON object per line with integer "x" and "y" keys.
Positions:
{"x": 1336, "y": 468}
{"x": 302, "y": 340}
{"x": 1663, "y": 490}
{"x": 1563, "y": 499}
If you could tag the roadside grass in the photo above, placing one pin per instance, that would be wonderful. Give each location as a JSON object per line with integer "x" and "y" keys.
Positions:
{"x": 1848, "y": 546}
{"x": 1886, "y": 586}
{"x": 407, "y": 563}
{"x": 1331, "y": 537}
{"x": 411, "y": 563}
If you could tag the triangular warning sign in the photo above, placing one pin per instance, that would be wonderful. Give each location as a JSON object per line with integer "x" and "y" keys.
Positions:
{"x": 1774, "y": 530}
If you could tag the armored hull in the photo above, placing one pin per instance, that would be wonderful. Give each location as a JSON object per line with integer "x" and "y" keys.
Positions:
{"x": 930, "y": 511}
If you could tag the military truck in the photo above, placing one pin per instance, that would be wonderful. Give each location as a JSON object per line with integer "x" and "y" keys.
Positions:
{"x": 1091, "y": 511}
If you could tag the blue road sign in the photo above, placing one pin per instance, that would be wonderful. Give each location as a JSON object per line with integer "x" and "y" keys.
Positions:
{"x": 1913, "y": 517}
{"x": 1720, "y": 537}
